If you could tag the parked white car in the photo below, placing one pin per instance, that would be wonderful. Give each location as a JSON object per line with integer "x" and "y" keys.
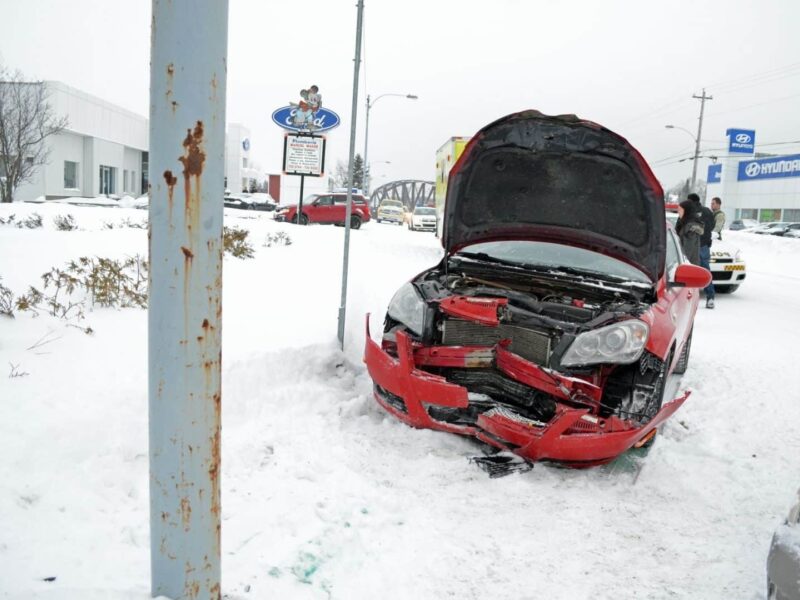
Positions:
{"x": 423, "y": 219}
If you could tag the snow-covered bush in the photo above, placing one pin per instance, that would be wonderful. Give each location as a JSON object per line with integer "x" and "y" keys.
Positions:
{"x": 65, "y": 223}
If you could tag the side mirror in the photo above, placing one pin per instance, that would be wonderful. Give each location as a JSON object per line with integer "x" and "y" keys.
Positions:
{"x": 691, "y": 276}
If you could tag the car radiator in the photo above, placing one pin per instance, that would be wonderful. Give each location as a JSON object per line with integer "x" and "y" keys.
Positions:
{"x": 527, "y": 343}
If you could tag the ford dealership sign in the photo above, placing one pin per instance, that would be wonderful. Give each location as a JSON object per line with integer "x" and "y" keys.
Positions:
{"x": 769, "y": 168}
{"x": 742, "y": 141}
{"x": 324, "y": 119}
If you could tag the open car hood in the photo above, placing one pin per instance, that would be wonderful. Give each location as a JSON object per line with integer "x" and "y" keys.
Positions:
{"x": 530, "y": 176}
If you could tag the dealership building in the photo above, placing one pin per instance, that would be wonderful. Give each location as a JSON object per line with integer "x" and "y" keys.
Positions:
{"x": 104, "y": 151}
{"x": 754, "y": 185}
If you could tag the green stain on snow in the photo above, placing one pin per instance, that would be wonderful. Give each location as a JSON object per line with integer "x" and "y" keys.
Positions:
{"x": 307, "y": 564}
{"x": 275, "y": 572}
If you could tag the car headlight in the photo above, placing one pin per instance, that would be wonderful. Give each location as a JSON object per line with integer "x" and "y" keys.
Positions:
{"x": 408, "y": 308}
{"x": 738, "y": 256}
{"x": 621, "y": 342}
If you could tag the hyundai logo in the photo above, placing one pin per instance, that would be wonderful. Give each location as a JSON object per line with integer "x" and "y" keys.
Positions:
{"x": 743, "y": 138}
{"x": 753, "y": 169}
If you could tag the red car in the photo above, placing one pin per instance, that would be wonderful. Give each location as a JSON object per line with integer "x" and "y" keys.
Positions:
{"x": 327, "y": 208}
{"x": 562, "y": 304}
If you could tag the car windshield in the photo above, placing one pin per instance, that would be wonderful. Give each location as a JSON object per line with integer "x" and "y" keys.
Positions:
{"x": 424, "y": 210}
{"x": 556, "y": 256}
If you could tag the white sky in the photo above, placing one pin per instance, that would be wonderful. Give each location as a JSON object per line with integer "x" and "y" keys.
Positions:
{"x": 629, "y": 65}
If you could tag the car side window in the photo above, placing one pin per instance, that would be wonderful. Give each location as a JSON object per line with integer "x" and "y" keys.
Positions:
{"x": 325, "y": 201}
{"x": 674, "y": 255}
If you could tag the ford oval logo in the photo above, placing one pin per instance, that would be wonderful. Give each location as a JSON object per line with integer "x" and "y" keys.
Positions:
{"x": 743, "y": 138}
{"x": 324, "y": 120}
{"x": 753, "y": 169}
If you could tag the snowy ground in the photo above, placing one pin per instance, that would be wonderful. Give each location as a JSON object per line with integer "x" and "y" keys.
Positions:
{"x": 324, "y": 496}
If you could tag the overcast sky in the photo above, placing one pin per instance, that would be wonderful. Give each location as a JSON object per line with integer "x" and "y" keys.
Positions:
{"x": 632, "y": 66}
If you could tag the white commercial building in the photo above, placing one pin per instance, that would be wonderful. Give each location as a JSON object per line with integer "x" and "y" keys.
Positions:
{"x": 754, "y": 185}
{"x": 104, "y": 151}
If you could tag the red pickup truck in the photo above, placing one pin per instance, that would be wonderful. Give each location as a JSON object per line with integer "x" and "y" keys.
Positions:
{"x": 327, "y": 208}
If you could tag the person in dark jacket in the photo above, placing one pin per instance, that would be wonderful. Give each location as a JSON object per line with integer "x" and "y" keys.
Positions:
{"x": 690, "y": 228}
{"x": 709, "y": 222}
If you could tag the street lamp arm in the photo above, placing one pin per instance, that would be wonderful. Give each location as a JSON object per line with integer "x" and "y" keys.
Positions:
{"x": 374, "y": 100}
{"x": 682, "y": 129}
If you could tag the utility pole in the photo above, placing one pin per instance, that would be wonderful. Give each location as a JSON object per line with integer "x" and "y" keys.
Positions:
{"x": 350, "y": 162}
{"x": 702, "y": 99}
{"x": 188, "y": 72}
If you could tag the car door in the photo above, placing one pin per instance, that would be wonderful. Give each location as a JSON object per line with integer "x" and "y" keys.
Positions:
{"x": 322, "y": 209}
{"x": 681, "y": 302}
{"x": 339, "y": 209}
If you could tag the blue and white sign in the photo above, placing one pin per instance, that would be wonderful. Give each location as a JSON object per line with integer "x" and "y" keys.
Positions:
{"x": 769, "y": 168}
{"x": 245, "y": 144}
{"x": 714, "y": 174}
{"x": 742, "y": 141}
{"x": 324, "y": 120}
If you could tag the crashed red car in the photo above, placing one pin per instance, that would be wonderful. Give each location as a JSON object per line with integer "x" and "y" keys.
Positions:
{"x": 561, "y": 305}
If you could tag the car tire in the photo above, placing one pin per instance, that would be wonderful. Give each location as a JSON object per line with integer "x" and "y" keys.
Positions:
{"x": 725, "y": 289}
{"x": 303, "y": 220}
{"x": 683, "y": 361}
{"x": 355, "y": 222}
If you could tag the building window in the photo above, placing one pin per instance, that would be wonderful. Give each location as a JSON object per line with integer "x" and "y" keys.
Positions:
{"x": 769, "y": 215}
{"x": 748, "y": 213}
{"x": 133, "y": 182}
{"x": 145, "y": 167}
{"x": 107, "y": 180}
{"x": 125, "y": 180}
{"x": 70, "y": 175}
{"x": 791, "y": 214}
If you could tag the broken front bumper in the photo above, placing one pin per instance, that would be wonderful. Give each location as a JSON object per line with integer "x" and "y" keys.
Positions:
{"x": 572, "y": 436}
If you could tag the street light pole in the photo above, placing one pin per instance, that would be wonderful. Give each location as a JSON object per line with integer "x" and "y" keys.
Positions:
{"x": 702, "y": 99}
{"x": 369, "y": 105}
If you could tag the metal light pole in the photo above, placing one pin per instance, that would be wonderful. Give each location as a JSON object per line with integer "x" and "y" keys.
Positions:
{"x": 187, "y": 144}
{"x": 370, "y": 104}
{"x": 349, "y": 209}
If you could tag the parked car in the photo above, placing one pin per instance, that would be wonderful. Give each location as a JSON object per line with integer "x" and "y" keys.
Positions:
{"x": 246, "y": 201}
{"x": 728, "y": 268}
{"x": 561, "y": 306}
{"x": 740, "y": 224}
{"x": 783, "y": 563}
{"x": 327, "y": 208}
{"x": 391, "y": 211}
{"x": 770, "y": 228}
{"x": 423, "y": 219}
{"x": 782, "y": 230}
{"x": 793, "y": 231}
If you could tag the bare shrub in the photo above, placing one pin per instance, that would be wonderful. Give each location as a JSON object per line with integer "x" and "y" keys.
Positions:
{"x": 65, "y": 223}
{"x": 280, "y": 238}
{"x": 234, "y": 240}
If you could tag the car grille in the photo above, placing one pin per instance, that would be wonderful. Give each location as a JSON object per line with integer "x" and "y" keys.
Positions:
{"x": 721, "y": 260}
{"x": 530, "y": 345}
{"x": 721, "y": 275}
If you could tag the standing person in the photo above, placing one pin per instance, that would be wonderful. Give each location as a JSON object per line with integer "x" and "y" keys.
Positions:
{"x": 719, "y": 216}
{"x": 690, "y": 228}
{"x": 705, "y": 245}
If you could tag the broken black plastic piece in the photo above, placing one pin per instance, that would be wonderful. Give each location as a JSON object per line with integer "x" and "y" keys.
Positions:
{"x": 500, "y": 465}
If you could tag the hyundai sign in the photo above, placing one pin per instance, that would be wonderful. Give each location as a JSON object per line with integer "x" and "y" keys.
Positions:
{"x": 769, "y": 168}
{"x": 742, "y": 141}
{"x": 323, "y": 121}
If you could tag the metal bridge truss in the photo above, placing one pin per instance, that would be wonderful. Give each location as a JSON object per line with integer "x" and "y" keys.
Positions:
{"x": 411, "y": 192}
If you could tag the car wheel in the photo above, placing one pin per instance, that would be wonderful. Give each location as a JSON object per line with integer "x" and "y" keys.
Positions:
{"x": 303, "y": 220}
{"x": 683, "y": 361}
{"x": 355, "y": 222}
{"x": 726, "y": 289}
